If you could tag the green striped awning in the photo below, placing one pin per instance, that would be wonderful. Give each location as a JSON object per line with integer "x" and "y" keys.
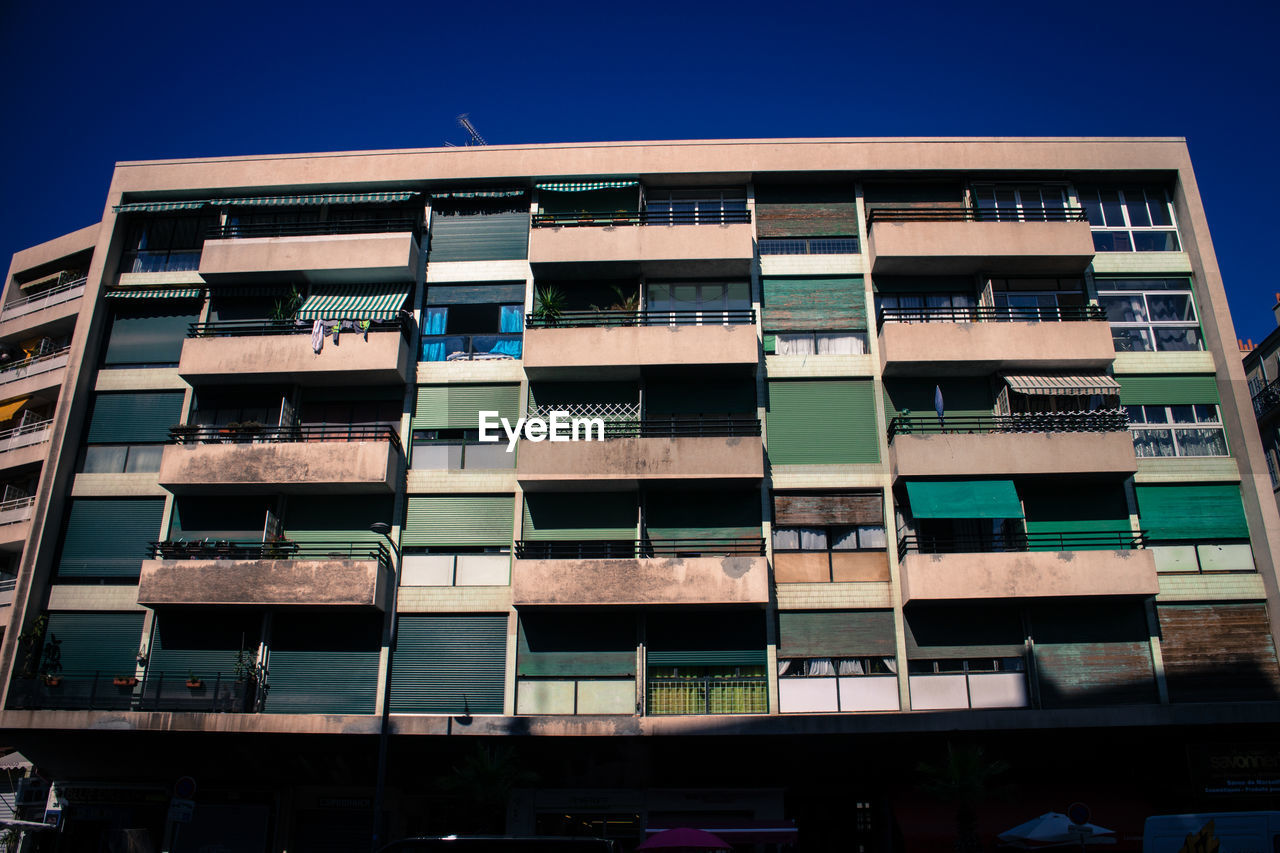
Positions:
{"x": 480, "y": 194}
{"x": 1063, "y": 386}
{"x": 157, "y": 293}
{"x": 314, "y": 200}
{"x": 353, "y": 302}
{"x": 159, "y": 206}
{"x": 584, "y": 186}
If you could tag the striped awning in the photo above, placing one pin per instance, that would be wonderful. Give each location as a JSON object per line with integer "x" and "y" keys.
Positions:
{"x": 159, "y": 206}
{"x": 480, "y": 194}
{"x": 314, "y": 200}
{"x": 353, "y": 301}
{"x": 156, "y": 293}
{"x": 585, "y": 186}
{"x": 1062, "y": 386}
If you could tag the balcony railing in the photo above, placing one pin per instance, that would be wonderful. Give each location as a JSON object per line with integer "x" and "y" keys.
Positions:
{"x": 311, "y": 229}
{"x": 1102, "y": 540}
{"x": 604, "y": 218}
{"x": 215, "y": 692}
{"x": 974, "y": 214}
{"x": 12, "y": 511}
{"x": 486, "y": 347}
{"x": 210, "y": 693}
{"x": 1101, "y": 420}
{"x": 992, "y": 314}
{"x": 707, "y": 695}
{"x": 55, "y": 295}
{"x": 624, "y": 549}
{"x": 32, "y": 366}
{"x": 279, "y": 549}
{"x": 591, "y": 319}
{"x": 25, "y": 435}
{"x": 254, "y": 328}
{"x": 1267, "y": 399}
{"x": 282, "y": 434}
{"x": 95, "y": 690}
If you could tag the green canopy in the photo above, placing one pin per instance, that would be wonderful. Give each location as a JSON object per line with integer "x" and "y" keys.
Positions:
{"x": 157, "y": 293}
{"x": 964, "y": 499}
{"x": 585, "y": 186}
{"x": 353, "y": 301}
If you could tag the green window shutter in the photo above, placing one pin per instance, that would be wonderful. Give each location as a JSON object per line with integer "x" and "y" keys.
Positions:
{"x": 819, "y": 211}
{"x": 596, "y": 516}
{"x": 963, "y": 499}
{"x": 150, "y": 333}
{"x": 490, "y": 293}
{"x": 459, "y": 520}
{"x": 1065, "y": 508}
{"x": 830, "y": 633}
{"x": 106, "y": 643}
{"x": 493, "y": 236}
{"x": 822, "y": 421}
{"x": 449, "y": 663}
{"x": 705, "y": 639}
{"x": 963, "y": 632}
{"x": 323, "y": 664}
{"x": 336, "y": 518}
{"x": 1091, "y": 654}
{"x": 108, "y": 537}
{"x": 201, "y": 644}
{"x": 770, "y": 344}
{"x": 134, "y": 418}
{"x": 806, "y": 304}
{"x": 1192, "y": 512}
{"x": 576, "y": 645}
{"x": 458, "y": 406}
{"x": 687, "y": 514}
{"x": 1168, "y": 390}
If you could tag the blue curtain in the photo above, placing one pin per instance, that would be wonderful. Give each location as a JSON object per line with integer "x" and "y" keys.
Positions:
{"x": 434, "y": 324}
{"x": 512, "y": 319}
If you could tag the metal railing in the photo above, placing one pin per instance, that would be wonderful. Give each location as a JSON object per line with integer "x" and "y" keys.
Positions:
{"x": 10, "y": 438}
{"x": 1101, "y": 420}
{"x": 992, "y": 314}
{"x": 208, "y": 693}
{"x": 278, "y": 549}
{"x": 310, "y": 229}
{"x": 808, "y": 245}
{"x": 8, "y": 584}
{"x": 62, "y": 288}
{"x": 692, "y": 426}
{"x": 747, "y": 694}
{"x": 975, "y": 214}
{"x": 96, "y": 690}
{"x": 479, "y": 347}
{"x": 199, "y": 434}
{"x": 1267, "y": 399}
{"x": 9, "y": 371}
{"x": 15, "y": 506}
{"x": 625, "y": 549}
{"x": 1102, "y": 540}
{"x": 253, "y": 328}
{"x": 588, "y": 319}
{"x": 605, "y": 218}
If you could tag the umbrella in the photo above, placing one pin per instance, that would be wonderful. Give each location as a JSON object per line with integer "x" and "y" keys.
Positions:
{"x": 937, "y": 402}
{"x": 1054, "y": 829}
{"x": 683, "y": 838}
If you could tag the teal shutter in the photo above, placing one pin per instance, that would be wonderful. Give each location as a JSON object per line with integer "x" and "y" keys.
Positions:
{"x": 459, "y": 520}
{"x": 489, "y": 236}
{"x": 458, "y": 406}
{"x": 134, "y": 418}
{"x": 808, "y": 304}
{"x": 323, "y": 664}
{"x": 489, "y": 293}
{"x": 149, "y": 332}
{"x": 576, "y": 645}
{"x": 963, "y": 499}
{"x": 201, "y": 644}
{"x": 685, "y": 514}
{"x": 822, "y": 421}
{"x": 1192, "y": 512}
{"x": 705, "y": 639}
{"x": 1168, "y": 390}
{"x": 106, "y": 643}
{"x": 594, "y": 516}
{"x": 108, "y": 537}
{"x": 833, "y": 633}
{"x": 1097, "y": 653}
{"x": 449, "y": 664}
{"x": 336, "y": 518}
{"x": 969, "y": 631}
{"x": 826, "y": 210}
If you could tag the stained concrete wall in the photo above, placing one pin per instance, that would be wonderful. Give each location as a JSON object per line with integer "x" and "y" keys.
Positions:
{"x": 548, "y": 352}
{"x": 312, "y": 467}
{"x": 955, "y": 248}
{"x": 382, "y": 359}
{"x": 322, "y": 258}
{"x": 939, "y": 349}
{"x": 1034, "y": 574}
{"x": 672, "y": 580}
{"x": 626, "y": 461}
{"x": 1003, "y": 454}
{"x": 347, "y": 583}
{"x": 641, "y": 243}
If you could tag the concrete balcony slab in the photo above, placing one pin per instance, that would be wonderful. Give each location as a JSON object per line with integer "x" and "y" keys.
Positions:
{"x": 957, "y": 248}
{"x": 623, "y": 463}
{"x": 309, "y": 583}
{"x": 624, "y": 350}
{"x": 311, "y": 467}
{"x": 692, "y": 250}
{"x": 325, "y": 258}
{"x": 383, "y": 359}
{"x": 658, "y": 580}
{"x": 1005, "y": 454}
{"x": 1029, "y": 574}
{"x": 949, "y": 349}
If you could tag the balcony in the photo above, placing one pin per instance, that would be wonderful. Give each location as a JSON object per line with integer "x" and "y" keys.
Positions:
{"x": 986, "y": 339}
{"x": 702, "y": 695}
{"x": 31, "y": 375}
{"x": 327, "y": 252}
{"x": 1096, "y": 442}
{"x": 291, "y": 459}
{"x": 1267, "y": 401}
{"x": 665, "y": 243}
{"x": 482, "y": 347}
{"x": 25, "y": 445}
{"x": 670, "y": 571}
{"x": 15, "y": 522}
{"x": 274, "y": 574}
{"x": 654, "y": 449}
{"x": 51, "y": 304}
{"x": 958, "y": 241}
{"x": 622, "y": 342}
{"x": 1026, "y": 565}
{"x": 216, "y": 692}
{"x": 237, "y": 351}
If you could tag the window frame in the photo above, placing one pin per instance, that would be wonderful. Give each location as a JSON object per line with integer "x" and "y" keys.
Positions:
{"x": 1021, "y": 209}
{"x": 1095, "y": 210}
{"x": 1172, "y": 427}
{"x": 1120, "y": 287}
{"x": 468, "y": 438}
{"x": 879, "y": 663}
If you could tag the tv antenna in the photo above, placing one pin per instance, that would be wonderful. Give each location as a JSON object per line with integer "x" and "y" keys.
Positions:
{"x": 464, "y": 122}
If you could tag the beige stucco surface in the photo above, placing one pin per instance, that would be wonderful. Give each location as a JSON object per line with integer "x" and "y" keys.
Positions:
{"x": 310, "y": 467}
{"x": 940, "y": 349}
{"x": 30, "y": 379}
{"x": 382, "y": 359}
{"x": 1036, "y": 574}
{"x": 348, "y": 583}
{"x": 642, "y": 243}
{"x": 323, "y": 258}
{"x": 34, "y": 317}
{"x": 624, "y": 462}
{"x": 669, "y": 580}
{"x": 548, "y": 352}
{"x": 1012, "y": 454}
{"x": 955, "y": 248}
{"x": 55, "y": 249}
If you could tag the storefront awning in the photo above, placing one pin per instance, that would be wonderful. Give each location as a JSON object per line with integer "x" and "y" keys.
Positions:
{"x": 353, "y": 302}
{"x": 1062, "y": 386}
{"x": 964, "y": 499}
{"x": 156, "y": 293}
{"x": 585, "y": 186}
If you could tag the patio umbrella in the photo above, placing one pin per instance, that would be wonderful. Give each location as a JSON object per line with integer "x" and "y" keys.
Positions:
{"x": 683, "y": 838}
{"x": 1054, "y": 829}
{"x": 937, "y": 403}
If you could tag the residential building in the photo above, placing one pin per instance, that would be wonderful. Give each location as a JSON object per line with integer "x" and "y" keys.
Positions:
{"x": 891, "y": 448}
{"x": 1263, "y": 373}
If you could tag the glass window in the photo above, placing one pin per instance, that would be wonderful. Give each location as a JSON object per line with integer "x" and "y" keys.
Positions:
{"x": 1029, "y": 203}
{"x": 704, "y": 206}
{"x": 1158, "y": 431}
{"x": 457, "y": 449}
{"x": 167, "y": 244}
{"x": 1130, "y": 219}
{"x": 1151, "y": 315}
{"x": 121, "y": 458}
{"x": 863, "y": 538}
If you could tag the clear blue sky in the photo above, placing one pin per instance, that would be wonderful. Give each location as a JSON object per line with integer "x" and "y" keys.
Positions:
{"x": 86, "y": 84}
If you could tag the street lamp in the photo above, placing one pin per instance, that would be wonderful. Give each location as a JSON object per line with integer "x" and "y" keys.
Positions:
{"x": 384, "y": 530}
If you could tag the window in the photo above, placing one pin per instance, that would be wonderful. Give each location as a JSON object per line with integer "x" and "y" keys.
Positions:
{"x": 1130, "y": 219}
{"x": 863, "y": 537}
{"x": 808, "y": 245}
{"x": 121, "y": 458}
{"x": 950, "y": 666}
{"x": 707, "y": 690}
{"x": 457, "y": 449}
{"x": 167, "y": 244}
{"x": 1271, "y": 469}
{"x": 820, "y": 343}
{"x": 1151, "y": 315}
{"x": 695, "y": 207}
{"x": 701, "y": 301}
{"x": 830, "y": 667}
{"x": 473, "y": 332}
{"x": 924, "y": 307}
{"x": 1030, "y": 203}
{"x": 1189, "y": 430}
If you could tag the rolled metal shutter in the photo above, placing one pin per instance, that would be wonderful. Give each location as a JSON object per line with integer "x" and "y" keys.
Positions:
{"x": 449, "y": 663}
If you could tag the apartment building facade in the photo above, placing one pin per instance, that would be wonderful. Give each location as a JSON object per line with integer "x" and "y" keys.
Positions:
{"x": 889, "y": 447}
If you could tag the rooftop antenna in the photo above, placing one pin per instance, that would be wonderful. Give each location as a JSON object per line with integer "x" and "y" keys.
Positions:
{"x": 464, "y": 121}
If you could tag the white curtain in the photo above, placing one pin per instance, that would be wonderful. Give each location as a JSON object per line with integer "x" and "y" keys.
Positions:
{"x": 890, "y": 664}
{"x": 820, "y": 666}
{"x": 812, "y": 539}
{"x": 795, "y": 345}
{"x": 786, "y": 539}
{"x": 852, "y": 666}
{"x": 872, "y": 536}
{"x": 855, "y": 344}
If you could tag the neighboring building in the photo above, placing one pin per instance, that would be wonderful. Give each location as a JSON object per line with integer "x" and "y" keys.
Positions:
{"x": 866, "y": 491}
{"x": 1262, "y": 369}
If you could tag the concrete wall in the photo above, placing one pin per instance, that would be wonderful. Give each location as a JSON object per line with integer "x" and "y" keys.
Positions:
{"x": 940, "y": 349}
{"x": 642, "y": 243}
{"x": 1033, "y": 574}
{"x": 659, "y": 580}
{"x": 552, "y": 352}
{"x": 28, "y": 448}
{"x": 383, "y": 359}
{"x": 347, "y": 583}
{"x": 1003, "y": 454}
{"x": 312, "y": 467}
{"x": 955, "y": 248}
{"x": 322, "y": 258}
{"x": 623, "y": 462}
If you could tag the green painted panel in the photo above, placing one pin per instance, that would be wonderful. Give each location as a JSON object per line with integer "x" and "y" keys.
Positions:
{"x": 685, "y": 514}
{"x": 595, "y": 516}
{"x": 336, "y": 518}
{"x": 457, "y": 406}
{"x": 108, "y": 537}
{"x": 323, "y": 664}
{"x": 201, "y": 644}
{"x": 822, "y": 421}
{"x": 150, "y": 333}
{"x": 963, "y": 499}
{"x": 495, "y": 236}
{"x": 449, "y": 663}
{"x": 1063, "y": 507}
{"x": 705, "y": 638}
{"x": 770, "y": 344}
{"x": 806, "y": 304}
{"x": 1167, "y": 390}
{"x": 106, "y": 643}
{"x": 961, "y": 398}
{"x": 707, "y": 397}
{"x": 1097, "y": 653}
{"x": 821, "y": 633}
{"x": 1192, "y": 512}
{"x": 134, "y": 418}
{"x": 576, "y": 645}
{"x": 970, "y": 630}
{"x": 459, "y": 520}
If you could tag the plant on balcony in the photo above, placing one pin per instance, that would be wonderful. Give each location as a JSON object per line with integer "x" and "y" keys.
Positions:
{"x": 286, "y": 308}
{"x": 252, "y": 674}
{"x": 279, "y": 548}
{"x": 51, "y": 662}
{"x": 31, "y": 643}
{"x": 184, "y": 432}
{"x": 623, "y": 301}
{"x": 194, "y": 681}
{"x": 548, "y": 303}
{"x": 125, "y": 681}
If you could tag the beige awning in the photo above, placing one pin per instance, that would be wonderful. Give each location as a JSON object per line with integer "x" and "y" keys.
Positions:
{"x": 1062, "y": 386}
{"x": 42, "y": 281}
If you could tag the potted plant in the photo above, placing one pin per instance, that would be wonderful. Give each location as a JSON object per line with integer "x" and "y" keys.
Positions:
{"x": 183, "y": 433}
{"x": 548, "y": 304}
{"x": 194, "y": 681}
{"x": 125, "y": 681}
{"x": 51, "y": 662}
{"x": 249, "y": 429}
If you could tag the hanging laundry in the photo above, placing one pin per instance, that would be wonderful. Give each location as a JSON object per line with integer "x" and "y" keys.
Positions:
{"x": 363, "y": 325}
{"x": 317, "y": 336}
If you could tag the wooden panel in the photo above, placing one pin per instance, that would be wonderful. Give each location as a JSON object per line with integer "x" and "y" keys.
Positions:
{"x": 792, "y": 509}
{"x": 489, "y": 293}
{"x": 801, "y": 568}
{"x": 822, "y": 421}
{"x": 1092, "y": 655}
{"x": 1217, "y": 652}
{"x": 859, "y": 566}
{"x": 828, "y": 210}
